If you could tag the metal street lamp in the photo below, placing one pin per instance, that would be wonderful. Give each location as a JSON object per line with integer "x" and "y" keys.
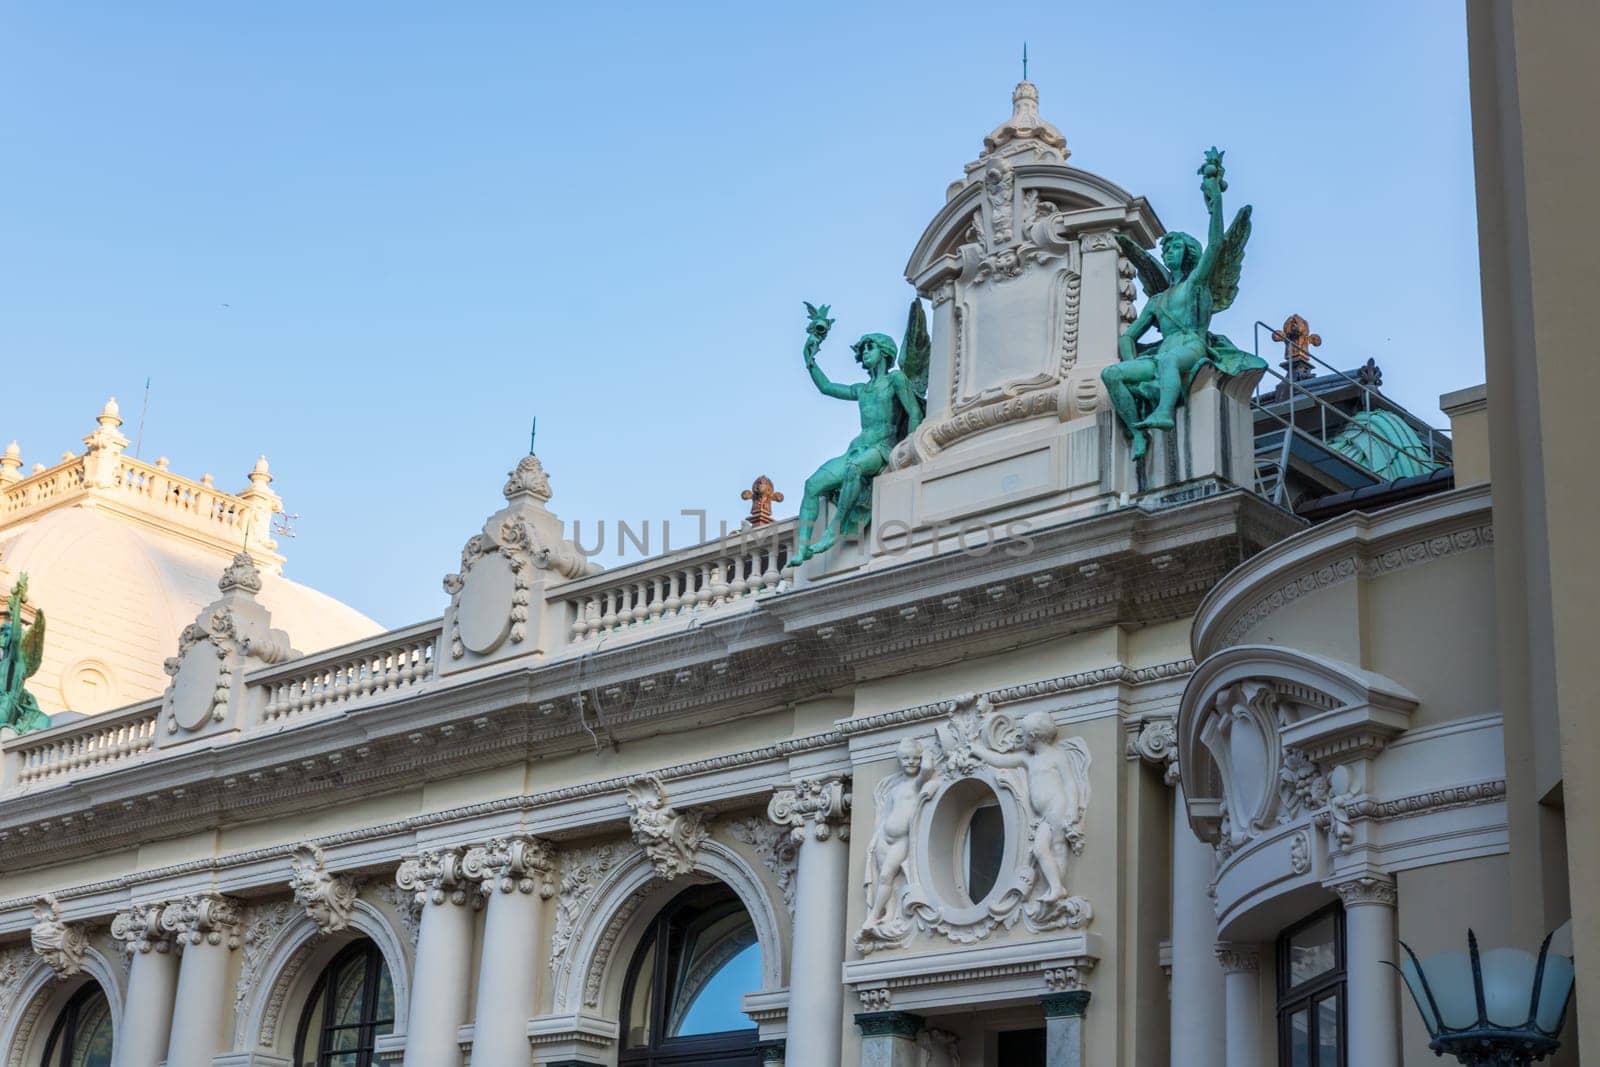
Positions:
{"x": 1501, "y": 1008}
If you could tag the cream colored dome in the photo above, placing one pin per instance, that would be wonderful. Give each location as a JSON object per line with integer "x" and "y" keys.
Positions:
{"x": 117, "y": 592}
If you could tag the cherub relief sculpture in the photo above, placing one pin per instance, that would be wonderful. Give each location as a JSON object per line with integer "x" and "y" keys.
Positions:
{"x": 892, "y": 402}
{"x": 21, "y": 649}
{"x": 896, "y": 802}
{"x": 1183, "y": 290}
{"x": 1042, "y": 783}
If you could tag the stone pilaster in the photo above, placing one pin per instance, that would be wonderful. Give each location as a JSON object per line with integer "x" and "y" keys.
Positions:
{"x": 888, "y": 1039}
{"x": 1241, "y": 964}
{"x": 817, "y": 811}
{"x": 443, "y": 972}
{"x": 1063, "y": 1025}
{"x": 152, "y": 986}
{"x": 516, "y": 878}
{"x": 1374, "y": 998}
{"x": 206, "y": 927}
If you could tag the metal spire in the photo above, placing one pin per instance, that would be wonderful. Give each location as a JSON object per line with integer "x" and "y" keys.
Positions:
{"x": 533, "y": 431}
{"x": 1024, "y": 60}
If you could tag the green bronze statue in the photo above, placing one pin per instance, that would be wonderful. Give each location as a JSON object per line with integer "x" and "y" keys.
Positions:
{"x": 20, "y": 652}
{"x": 891, "y": 400}
{"x": 1183, "y": 290}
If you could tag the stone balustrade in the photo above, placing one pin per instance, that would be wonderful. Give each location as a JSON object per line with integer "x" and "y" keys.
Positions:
{"x": 381, "y": 666}
{"x": 745, "y": 564}
{"x": 82, "y": 747}
{"x": 193, "y": 503}
{"x": 40, "y": 491}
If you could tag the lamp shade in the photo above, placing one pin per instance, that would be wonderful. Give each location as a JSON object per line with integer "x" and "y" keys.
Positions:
{"x": 1483, "y": 1007}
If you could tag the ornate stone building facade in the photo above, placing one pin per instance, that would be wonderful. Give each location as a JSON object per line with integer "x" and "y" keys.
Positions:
{"x": 1071, "y": 759}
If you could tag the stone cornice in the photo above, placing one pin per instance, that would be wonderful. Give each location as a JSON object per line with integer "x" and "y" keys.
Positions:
{"x": 1352, "y": 546}
{"x": 1127, "y": 566}
{"x": 401, "y": 831}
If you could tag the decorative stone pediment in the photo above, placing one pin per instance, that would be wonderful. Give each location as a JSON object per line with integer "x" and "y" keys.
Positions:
{"x": 495, "y": 596}
{"x": 214, "y": 651}
{"x": 62, "y": 946}
{"x": 978, "y": 758}
{"x": 1268, "y": 736}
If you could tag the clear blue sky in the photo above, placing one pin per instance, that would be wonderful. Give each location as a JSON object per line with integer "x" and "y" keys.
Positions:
{"x": 371, "y": 239}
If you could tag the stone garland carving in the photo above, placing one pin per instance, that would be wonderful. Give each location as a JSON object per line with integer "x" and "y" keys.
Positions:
{"x": 938, "y": 1048}
{"x": 1301, "y": 785}
{"x": 607, "y": 945}
{"x": 1043, "y": 785}
{"x": 434, "y": 876}
{"x": 62, "y": 946}
{"x": 261, "y": 925}
{"x": 139, "y": 929}
{"x": 328, "y": 899}
{"x": 13, "y": 965}
{"x": 512, "y": 864}
{"x": 774, "y": 846}
{"x": 1157, "y": 742}
{"x": 273, "y": 1012}
{"x": 582, "y": 872}
{"x": 669, "y": 837}
{"x": 813, "y": 807}
{"x": 207, "y": 918}
{"x": 404, "y": 903}
{"x": 1347, "y": 788}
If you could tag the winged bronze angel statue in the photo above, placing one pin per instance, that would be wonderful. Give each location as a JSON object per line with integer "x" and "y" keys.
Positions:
{"x": 20, "y": 653}
{"x": 892, "y": 401}
{"x": 1183, "y": 290}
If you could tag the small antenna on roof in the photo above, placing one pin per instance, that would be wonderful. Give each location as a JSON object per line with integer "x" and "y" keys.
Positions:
{"x": 139, "y": 441}
{"x": 533, "y": 431}
{"x": 1024, "y": 60}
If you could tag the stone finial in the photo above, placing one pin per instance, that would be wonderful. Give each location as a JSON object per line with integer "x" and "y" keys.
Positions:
{"x": 528, "y": 479}
{"x": 61, "y": 946}
{"x": 241, "y": 574}
{"x": 105, "y": 437}
{"x": 11, "y": 464}
{"x": 1024, "y": 126}
{"x": 260, "y": 474}
{"x": 762, "y": 496}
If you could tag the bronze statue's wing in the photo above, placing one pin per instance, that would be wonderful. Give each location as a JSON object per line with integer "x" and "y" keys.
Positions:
{"x": 916, "y": 349}
{"x": 1225, "y": 280}
{"x": 33, "y": 645}
{"x": 1151, "y": 273}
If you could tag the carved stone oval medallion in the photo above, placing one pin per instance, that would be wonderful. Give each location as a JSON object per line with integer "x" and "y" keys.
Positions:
{"x": 483, "y": 616}
{"x": 194, "y": 690}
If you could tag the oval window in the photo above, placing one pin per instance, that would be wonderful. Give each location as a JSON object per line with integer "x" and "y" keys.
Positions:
{"x": 967, "y": 843}
{"x": 982, "y": 850}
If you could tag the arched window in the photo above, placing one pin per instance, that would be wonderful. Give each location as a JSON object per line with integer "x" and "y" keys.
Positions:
{"x": 82, "y": 1035}
{"x": 680, "y": 1004}
{"x": 351, "y": 1006}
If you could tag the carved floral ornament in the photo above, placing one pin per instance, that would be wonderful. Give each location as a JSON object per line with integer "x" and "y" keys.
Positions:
{"x": 979, "y": 756}
{"x": 512, "y": 864}
{"x": 1270, "y": 736}
{"x": 203, "y": 918}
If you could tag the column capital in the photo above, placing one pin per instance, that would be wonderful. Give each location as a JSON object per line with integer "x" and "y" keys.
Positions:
{"x": 1073, "y": 1005}
{"x": 436, "y": 877}
{"x": 1368, "y": 889}
{"x": 1238, "y": 958}
{"x": 208, "y": 918}
{"x": 520, "y": 864}
{"x": 814, "y": 807}
{"x": 889, "y": 1023}
{"x": 1157, "y": 742}
{"x": 139, "y": 929}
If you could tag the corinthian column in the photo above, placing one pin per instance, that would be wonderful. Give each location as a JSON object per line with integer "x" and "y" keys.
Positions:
{"x": 152, "y": 986}
{"x": 1242, "y": 966}
{"x": 443, "y": 971}
{"x": 1374, "y": 1005}
{"x": 817, "y": 810}
{"x": 207, "y": 928}
{"x": 515, "y": 873}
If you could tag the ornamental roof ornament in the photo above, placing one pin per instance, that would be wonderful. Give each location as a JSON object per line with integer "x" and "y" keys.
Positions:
{"x": 1024, "y": 131}
{"x": 528, "y": 478}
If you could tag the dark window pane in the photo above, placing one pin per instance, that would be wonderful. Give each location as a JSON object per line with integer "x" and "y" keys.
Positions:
{"x": 638, "y": 1029}
{"x": 1328, "y": 1032}
{"x": 985, "y": 848}
{"x": 721, "y": 962}
{"x": 1300, "y": 1039}
{"x": 1021, "y": 1048}
{"x": 1311, "y": 950}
